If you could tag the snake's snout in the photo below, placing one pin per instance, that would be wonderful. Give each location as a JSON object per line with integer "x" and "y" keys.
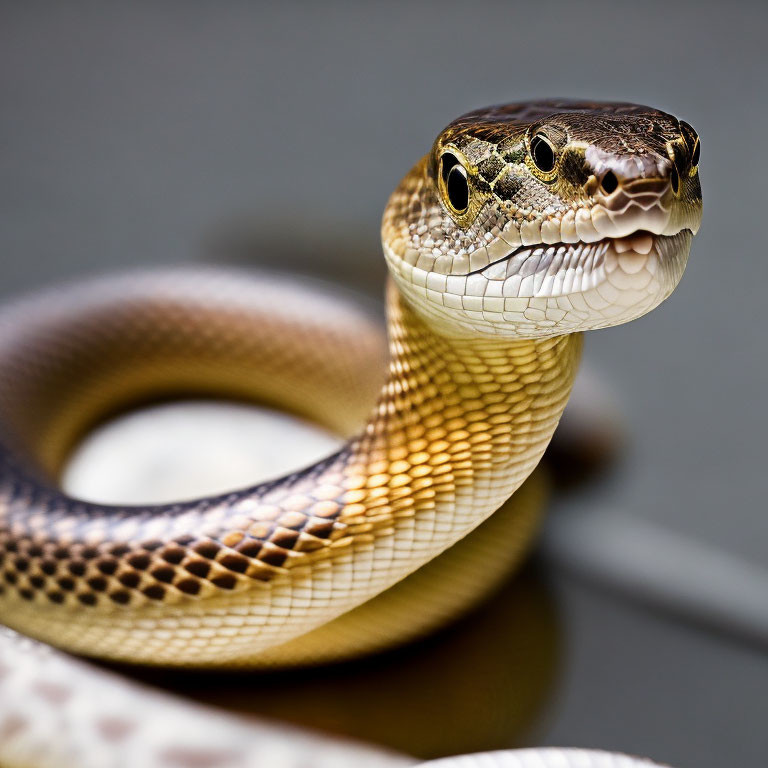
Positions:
{"x": 651, "y": 190}
{"x": 631, "y": 173}
{"x": 630, "y": 192}
{"x": 624, "y": 187}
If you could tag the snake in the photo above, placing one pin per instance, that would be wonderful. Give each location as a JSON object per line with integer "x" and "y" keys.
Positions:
{"x": 524, "y": 226}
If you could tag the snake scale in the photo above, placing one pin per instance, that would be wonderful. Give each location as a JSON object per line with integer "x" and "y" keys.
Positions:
{"x": 525, "y": 225}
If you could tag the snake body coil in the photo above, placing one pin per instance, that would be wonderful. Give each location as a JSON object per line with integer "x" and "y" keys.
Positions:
{"x": 525, "y": 225}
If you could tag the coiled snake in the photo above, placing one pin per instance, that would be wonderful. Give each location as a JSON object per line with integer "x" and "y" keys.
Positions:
{"x": 525, "y": 225}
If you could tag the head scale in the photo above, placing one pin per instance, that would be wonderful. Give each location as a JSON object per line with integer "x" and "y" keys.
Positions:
{"x": 544, "y": 218}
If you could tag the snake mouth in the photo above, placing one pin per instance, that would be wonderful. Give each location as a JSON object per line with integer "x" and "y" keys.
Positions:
{"x": 561, "y": 269}
{"x": 542, "y": 255}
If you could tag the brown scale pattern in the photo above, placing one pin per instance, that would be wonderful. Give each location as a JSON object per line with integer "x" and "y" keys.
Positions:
{"x": 248, "y": 541}
{"x": 608, "y": 125}
{"x": 450, "y": 414}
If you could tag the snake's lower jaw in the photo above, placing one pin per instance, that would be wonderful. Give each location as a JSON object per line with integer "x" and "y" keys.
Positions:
{"x": 635, "y": 275}
{"x": 629, "y": 277}
{"x": 636, "y": 279}
{"x": 542, "y": 290}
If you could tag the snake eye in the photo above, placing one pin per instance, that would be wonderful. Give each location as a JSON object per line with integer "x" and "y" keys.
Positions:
{"x": 542, "y": 153}
{"x": 447, "y": 161}
{"x": 696, "y": 154}
{"x": 455, "y": 183}
{"x": 691, "y": 141}
{"x": 457, "y": 187}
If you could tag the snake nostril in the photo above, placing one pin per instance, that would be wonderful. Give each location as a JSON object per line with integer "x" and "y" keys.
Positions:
{"x": 609, "y": 182}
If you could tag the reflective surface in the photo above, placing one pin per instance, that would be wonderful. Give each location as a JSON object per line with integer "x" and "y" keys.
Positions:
{"x": 485, "y": 683}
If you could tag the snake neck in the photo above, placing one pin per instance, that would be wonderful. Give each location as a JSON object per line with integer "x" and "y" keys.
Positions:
{"x": 460, "y": 422}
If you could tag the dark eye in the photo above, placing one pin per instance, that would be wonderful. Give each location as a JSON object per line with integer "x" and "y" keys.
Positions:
{"x": 542, "y": 153}
{"x": 696, "y": 154}
{"x": 457, "y": 188}
{"x": 691, "y": 139}
{"x": 447, "y": 161}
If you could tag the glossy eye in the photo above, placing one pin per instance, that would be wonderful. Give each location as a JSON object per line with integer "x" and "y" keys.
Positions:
{"x": 447, "y": 161}
{"x": 542, "y": 153}
{"x": 696, "y": 154}
{"x": 455, "y": 182}
{"x": 457, "y": 188}
{"x": 691, "y": 140}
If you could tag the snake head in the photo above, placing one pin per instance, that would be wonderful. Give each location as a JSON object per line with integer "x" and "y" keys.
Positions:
{"x": 546, "y": 218}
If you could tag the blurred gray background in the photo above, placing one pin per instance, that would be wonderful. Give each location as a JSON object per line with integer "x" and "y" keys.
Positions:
{"x": 150, "y": 133}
